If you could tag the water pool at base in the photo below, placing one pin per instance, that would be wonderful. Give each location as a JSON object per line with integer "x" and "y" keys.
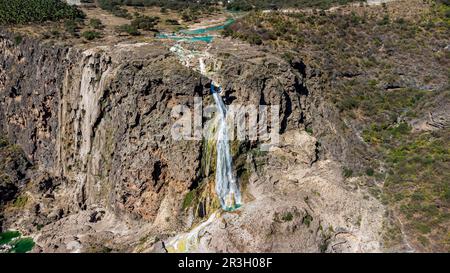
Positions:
{"x": 13, "y": 242}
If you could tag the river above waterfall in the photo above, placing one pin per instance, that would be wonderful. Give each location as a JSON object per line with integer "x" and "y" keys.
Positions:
{"x": 197, "y": 34}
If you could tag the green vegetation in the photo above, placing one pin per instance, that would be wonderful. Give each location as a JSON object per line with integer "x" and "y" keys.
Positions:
{"x": 240, "y": 5}
{"x": 27, "y": 11}
{"x": 72, "y": 27}
{"x": 370, "y": 172}
{"x": 113, "y": 6}
{"x": 91, "y": 35}
{"x": 287, "y": 217}
{"x": 247, "y": 5}
{"x": 322, "y": 33}
{"x": 3, "y": 142}
{"x": 346, "y": 172}
{"x": 164, "y": 4}
{"x": 145, "y": 22}
{"x": 211, "y": 5}
{"x": 129, "y": 29}
{"x": 369, "y": 58}
{"x": 18, "y": 39}
{"x": 419, "y": 182}
{"x": 96, "y": 24}
{"x": 189, "y": 198}
{"x": 189, "y": 9}
{"x": 21, "y": 201}
{"x": 307, "y": 219}
{"x": 172, "y": 22}
{"x": 190, "y": 14}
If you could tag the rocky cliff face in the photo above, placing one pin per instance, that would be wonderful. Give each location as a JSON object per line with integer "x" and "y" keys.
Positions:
{"x": 95, "y": 123}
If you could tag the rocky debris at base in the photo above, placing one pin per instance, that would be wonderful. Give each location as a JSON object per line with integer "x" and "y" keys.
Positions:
{"x": 300, "y": 206}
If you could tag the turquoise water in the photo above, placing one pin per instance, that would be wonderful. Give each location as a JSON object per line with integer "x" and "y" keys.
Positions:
{"x": 7, "y": 236}
{"x": 17, "y": 243}
{"x": 233, "y": 208}
{"x": 207, "y": 39}
{"x": 191, "y": 35}
{"x": 22, "y": 245}
{"x": 208, "y": 29}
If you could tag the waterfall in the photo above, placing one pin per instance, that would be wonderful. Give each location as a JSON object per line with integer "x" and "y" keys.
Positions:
{"x": 226, "y": 187}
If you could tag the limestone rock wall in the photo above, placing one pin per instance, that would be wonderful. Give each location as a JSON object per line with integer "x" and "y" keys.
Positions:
{"x": 95, "y": 124}
{"x": 97, "y": 120}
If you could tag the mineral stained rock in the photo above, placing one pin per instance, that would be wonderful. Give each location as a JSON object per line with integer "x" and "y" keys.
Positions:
{"x": 95, "y": 125}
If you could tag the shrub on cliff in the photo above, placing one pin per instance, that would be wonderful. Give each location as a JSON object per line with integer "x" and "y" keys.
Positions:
{"x": 28, "y": 11}
{"x": 129, "y": 29}
{"x": 114, "y": 8}
{"x": 145, "y": 22}
{"x": 91, "y": 35}
{"x": 96, "y": 23}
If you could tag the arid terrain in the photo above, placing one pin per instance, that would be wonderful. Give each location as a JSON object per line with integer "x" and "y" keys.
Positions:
{"x": 88, "y": 161}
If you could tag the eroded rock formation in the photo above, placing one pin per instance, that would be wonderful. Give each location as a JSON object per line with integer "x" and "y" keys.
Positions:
{"x": 107, "y": 176}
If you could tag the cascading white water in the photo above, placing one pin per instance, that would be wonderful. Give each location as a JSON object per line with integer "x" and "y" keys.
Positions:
{"x": 188, "y": 242}
{"x": 227, "y": 188}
